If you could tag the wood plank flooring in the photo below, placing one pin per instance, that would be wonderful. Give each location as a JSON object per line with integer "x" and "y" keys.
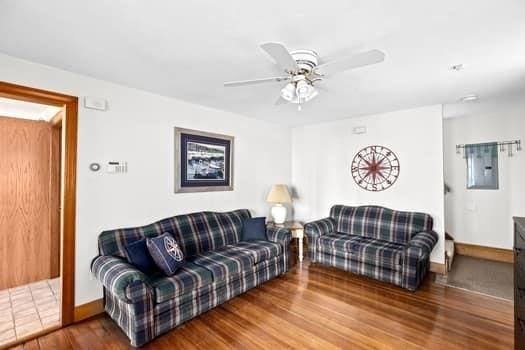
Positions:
{"x": 315, "y": 307}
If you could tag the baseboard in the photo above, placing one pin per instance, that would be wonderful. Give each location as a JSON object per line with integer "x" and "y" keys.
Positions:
{"x": 438, "y": 268}
{"x": 483, "y": 252}
{"x": 88, "y": 310}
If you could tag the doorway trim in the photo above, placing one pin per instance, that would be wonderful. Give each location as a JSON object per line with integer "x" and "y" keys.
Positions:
{"x": 70, "y": 125}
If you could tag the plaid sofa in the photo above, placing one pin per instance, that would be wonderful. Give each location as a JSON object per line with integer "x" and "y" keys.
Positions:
{"x": 219, "y": 266}
{"x": 388, "y": 245}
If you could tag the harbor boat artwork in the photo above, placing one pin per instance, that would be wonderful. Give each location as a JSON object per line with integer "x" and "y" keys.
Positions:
{"x": 203, "y": 161}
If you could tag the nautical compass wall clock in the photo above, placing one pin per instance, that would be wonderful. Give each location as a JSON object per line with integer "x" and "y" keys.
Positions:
{"x": 375, "y": 168}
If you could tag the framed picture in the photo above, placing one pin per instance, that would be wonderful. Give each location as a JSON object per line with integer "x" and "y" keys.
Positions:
{"x": 203, "y": 161}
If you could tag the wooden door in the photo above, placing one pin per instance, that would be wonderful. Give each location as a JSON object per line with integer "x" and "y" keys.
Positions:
{"x": 26, "y": 204}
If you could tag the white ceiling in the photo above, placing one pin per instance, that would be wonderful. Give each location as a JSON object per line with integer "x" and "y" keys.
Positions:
{"x": 26, "y": 110}
{"x": 497, "y": 106}
{"x": 186, "y": 49}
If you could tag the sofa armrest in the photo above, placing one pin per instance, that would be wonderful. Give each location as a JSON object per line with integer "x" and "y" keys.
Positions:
{"x": 416, "y": 258}
{"x": 318, "y": 228}
{"x": 421, "y": 244}
{"x": 279, "y": 235}
{"x": 121, "y": 278}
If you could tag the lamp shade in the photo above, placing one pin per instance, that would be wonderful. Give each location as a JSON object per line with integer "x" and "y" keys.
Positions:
{"x": 279, "y": 194}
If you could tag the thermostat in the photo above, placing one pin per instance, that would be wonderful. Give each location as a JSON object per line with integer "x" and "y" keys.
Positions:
{"x": 117, "y": 167}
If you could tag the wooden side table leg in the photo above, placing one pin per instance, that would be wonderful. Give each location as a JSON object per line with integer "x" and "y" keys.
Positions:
{"x": 300, "y": 248}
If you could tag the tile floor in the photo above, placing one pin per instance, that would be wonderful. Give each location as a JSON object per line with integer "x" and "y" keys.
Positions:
{"x": 29, "y": 309}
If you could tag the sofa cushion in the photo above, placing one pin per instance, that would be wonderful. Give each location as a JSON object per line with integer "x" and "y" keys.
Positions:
{"x": 188, "y": 278}
{"x": 259, "y": 250}
{"x": 207, "y": 231}
{"x": 336, "y": 243}
{"x": 379, "y": 222}
{"x": 377, "y": 252}
{"x": 196, "y": 232}
{"x": 225, "y": 262}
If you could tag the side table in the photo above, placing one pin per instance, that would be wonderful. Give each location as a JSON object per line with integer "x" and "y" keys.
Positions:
{"x": 297, "y": 230}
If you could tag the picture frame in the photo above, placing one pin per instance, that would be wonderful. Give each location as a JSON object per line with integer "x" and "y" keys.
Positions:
{"x": 203, "y": 161}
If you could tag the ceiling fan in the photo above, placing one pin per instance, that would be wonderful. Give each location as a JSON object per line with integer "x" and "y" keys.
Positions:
{"x": 301, "y": 70}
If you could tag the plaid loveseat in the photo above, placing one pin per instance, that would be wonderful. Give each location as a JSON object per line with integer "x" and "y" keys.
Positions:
{"x": 388, "y": 245}
{"x": 219, "y": 266}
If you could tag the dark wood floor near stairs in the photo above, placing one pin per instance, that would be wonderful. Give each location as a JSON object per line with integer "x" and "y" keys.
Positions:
{"x": 321, "y": 308}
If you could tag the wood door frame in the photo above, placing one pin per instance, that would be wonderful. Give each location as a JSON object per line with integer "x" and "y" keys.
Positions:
{"x": 56, "y": 169}
{"x": 70, "y": 124}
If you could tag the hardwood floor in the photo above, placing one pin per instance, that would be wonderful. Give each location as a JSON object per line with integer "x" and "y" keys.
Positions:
{"x": 321, "y": 308}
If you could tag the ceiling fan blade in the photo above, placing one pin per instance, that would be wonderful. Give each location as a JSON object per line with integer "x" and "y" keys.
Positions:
{"x": 281, "y": 56}
{"x": 356, "y": 61}
{"x": 255, "y": 81}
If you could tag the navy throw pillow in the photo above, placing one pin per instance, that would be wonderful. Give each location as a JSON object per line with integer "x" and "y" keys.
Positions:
{"x": 254, "y": 229}
{"x": 138, "y": 256}
{"x": 166, "y": 253}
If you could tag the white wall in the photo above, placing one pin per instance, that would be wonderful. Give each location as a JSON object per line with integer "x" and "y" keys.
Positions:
{"x": 138, "y": 128}
{"x": 484, "y": 217}
{"x": 322, "y": 154}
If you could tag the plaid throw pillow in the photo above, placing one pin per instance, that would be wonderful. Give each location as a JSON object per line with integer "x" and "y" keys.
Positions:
{"x": 166, "y": 253}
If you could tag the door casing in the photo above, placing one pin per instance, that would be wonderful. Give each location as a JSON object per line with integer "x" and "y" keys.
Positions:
{"x": 70, "y": 128}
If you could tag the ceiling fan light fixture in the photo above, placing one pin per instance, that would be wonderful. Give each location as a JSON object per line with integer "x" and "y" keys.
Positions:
{"x": 303, "y": 89}
{"x": 311, "y": 95}
{"x": 298, "y": 92}
{"x": 288, "y": 92}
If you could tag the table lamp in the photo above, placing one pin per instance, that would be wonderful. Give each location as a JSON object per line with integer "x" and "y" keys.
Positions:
{"x": 279, "y": 195}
